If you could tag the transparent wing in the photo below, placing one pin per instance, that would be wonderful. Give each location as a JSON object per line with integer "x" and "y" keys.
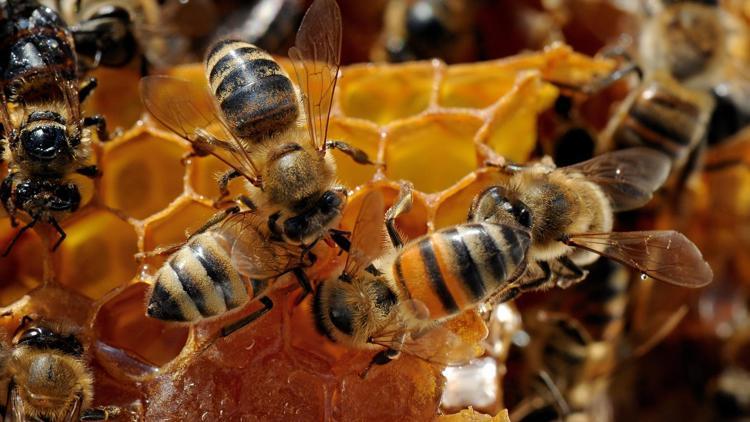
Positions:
{"x": 436, "y": 343}
{"x": 665, "y": 255}
{"x": 629, "y": 177}
{"x": 316, "y": 57}
{"x": 368, "y": 234}
{"x": 254, "y": 254}
{"x": 189, "y": 111}
{"x": 15, "y": 411}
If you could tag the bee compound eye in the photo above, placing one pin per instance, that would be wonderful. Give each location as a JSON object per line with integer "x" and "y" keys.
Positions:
{"x": 293, "y": 227}
{"x": 522, "y": 214}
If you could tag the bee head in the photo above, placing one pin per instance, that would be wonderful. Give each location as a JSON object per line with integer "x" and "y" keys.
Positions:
{"x": 318, "y": 215}
{"x": 37, "y": 196}
{"x": 497, "y": 205}
{"x": 351, "y": 312}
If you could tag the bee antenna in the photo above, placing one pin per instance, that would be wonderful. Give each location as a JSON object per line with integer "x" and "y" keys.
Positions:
{"x": 560, "y": 401}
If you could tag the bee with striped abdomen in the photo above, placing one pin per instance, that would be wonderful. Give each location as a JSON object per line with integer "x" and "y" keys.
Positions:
{"x": 261, "y": 133}
{"x": 45, "y": 138}
{"x": 221, "y": 267}
{"x": 398, "y": 299}
{"x": 569, "y": 213}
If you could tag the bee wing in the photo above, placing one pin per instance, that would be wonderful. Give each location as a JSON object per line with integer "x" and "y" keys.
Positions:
{"x": 368, "y": 234}
{"x": 316, "y": 57}
{"x": 629, "y": 177}
{"x": 15, "y": 410}
{"x": 436, "y": 344}
{"x": 664, "y": 255}
{"x": 190, "y": 112}
{"x": 254, "y": 254}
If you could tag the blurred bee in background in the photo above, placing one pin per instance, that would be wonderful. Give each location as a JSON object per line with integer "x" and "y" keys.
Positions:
{"x": 691, "y": 89}
{"x": 568, "y": 212}
{"x": 45, "y": 138}
{"x": 731, "y": 388}
{"x": 398, "y": 299}
{"x": 113, "y": 33}
{"x": 261, "y": 133}
{"x": 424, "y": 29}
{"x": 277, "y": 150}
{"x": 46, "y": 376}
{"x": 267, "y": 24}
{"x": 577, "y": 348}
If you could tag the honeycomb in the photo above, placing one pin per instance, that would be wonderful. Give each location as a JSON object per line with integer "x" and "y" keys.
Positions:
{"x": 423, "y": 121}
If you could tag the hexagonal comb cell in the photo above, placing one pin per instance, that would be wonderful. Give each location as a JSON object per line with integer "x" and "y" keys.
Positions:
{"x": 22, "y": 269}
{"x": 139, "y": 183}
{"x": 93, "y": 261}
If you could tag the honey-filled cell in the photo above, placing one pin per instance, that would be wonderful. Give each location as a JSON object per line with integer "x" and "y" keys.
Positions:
{"x": 142, "y": 174}
{"x": 115, "y": 97}
{"x": 433, "y": 152}
{"x": 122, "y": 323}
{"x": 453, "y": 205}
{"x": 21, "y": 270}
{"x": 384, "y": 94}
{"x": 98, "y": 253}
{"x": 511, "y": 128}
{"x": 171, "y": 227}
{"x": 358, "y": 134}
{"x": 204, "y": 178}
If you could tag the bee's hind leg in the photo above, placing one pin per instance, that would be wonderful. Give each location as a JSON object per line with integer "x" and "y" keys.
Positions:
{"x": 100, "y": 413}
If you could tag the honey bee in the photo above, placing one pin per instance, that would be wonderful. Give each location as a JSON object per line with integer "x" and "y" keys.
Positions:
{"x": 424, "y": 29}
{"x": 261, "y": 133}
{"x": 46, "y": 376}
{"x": 398, "y": 299}
{"x": 568, "y": 212}
{"x": 45, "y": 139}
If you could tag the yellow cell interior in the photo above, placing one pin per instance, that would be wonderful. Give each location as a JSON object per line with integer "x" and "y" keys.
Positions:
{"x": 382, "y": 95}
{"x": 97, "y": 255}
{"x": 143, "y": 174}
{"x": 433, "y": 152}
{"x": 360, "y": 135}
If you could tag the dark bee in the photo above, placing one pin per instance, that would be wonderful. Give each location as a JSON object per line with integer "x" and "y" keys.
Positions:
{"x": 45, "y": 138}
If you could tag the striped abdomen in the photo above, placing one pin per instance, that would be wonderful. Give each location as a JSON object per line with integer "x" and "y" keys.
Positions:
{"x": 255, "y": 95}
{"x": 455, "y": 268}
{"x": 198, "y": 281}
{"x": 664, "y": 116}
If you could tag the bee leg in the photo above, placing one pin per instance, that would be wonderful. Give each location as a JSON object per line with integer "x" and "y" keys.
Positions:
{"x": 357, "y": 154}
{"x": 578, "y": 274}
{"x": 18, "y": 236}
{"x": 402, "y": 205}
{"x": 6, "y": 189}
{"x": 100, "y": 123}
{"x": 267, "y": 306}
{"x": 224, "y": 182}
{"x": 87, "y": 88}
{"x": 304, "y": 282}
{"x": 216, "y": 219}
{"x": 246, "y": 201}
{"x": 91, "y": 171}
{"x": 540, "y": 282}
{"x": 59, "y": 229}
{"x": 381, "y": 358}
{"x": 341, "y": 239}
{"x": 100, "y": 413}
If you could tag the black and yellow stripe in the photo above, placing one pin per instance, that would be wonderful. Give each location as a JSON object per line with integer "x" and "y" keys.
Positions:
{"x": 254, "y": 93}
{"x": 665, "y": 117}
{"x": 198, "y": 281}
{"x": 455, "y": 268}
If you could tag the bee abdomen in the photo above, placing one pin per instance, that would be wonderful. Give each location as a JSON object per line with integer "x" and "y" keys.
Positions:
{"x": 664, "y": 118}
{"x": 455, "y": 268}
{"x": 254, "y": 93}
{"x": 197, "y": 282}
